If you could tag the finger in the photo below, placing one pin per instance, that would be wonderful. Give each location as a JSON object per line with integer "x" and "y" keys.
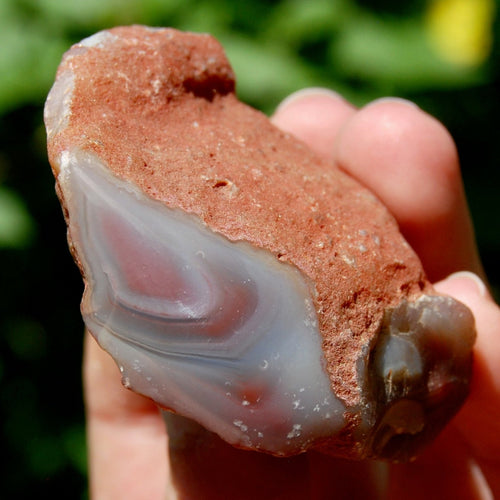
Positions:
{"x": 125, "y": 432}
{"x": 479, "y": 420}
{"x": 204, "y": 466}
{"x": 408, "y": 159}
{"x": 444, "y": 470}
{"x": 315, "y": 116}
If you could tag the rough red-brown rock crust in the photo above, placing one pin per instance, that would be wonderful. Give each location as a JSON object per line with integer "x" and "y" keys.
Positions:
{"x": 160, "y": 110}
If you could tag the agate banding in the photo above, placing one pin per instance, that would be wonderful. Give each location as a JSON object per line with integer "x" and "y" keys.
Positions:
{"x": 235, "y": 277}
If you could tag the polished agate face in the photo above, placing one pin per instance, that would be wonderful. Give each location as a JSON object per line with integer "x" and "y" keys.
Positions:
{"x": 217, "y": 331}
{"x": 227, "y": 335}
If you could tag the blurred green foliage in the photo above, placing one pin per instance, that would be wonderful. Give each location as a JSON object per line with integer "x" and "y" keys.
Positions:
{"x": 363, "y": 49}
{"x": 275, "y": 47}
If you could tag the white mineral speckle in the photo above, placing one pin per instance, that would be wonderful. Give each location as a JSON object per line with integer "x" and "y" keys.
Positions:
{"x": 156, "y": 86}
{"x": 256, "y": 174}
{"x": 350, "y": 261}
{"x": 58, "y": 106}
{"x": 98, "y": 39}
{"x": 295, "y": 432}
{"x": 241, "y": 425}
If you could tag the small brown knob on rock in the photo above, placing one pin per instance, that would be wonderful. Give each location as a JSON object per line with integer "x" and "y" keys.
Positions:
{"x": 420, "y": 368}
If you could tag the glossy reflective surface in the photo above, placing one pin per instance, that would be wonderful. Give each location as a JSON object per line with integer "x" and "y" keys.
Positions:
{"x": 214, "y": 330}
{"x": 420, "y": 370}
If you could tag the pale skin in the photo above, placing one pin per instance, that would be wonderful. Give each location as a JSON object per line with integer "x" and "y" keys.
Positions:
{"x": 410, "y": 161}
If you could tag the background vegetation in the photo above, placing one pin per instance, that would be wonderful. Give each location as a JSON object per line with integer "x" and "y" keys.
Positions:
{"x": 441, "y": 53}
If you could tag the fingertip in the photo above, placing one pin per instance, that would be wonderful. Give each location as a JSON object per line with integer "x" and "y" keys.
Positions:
{"x": 409, "y": 160}
{"x": 470, "y": 289}
{"x": 307, "y": 94}
{"x": 479, "y": 418}
{"x": 389, "y": 100}
{"x": 391, "y": 139}
{"x": 463, "y": 284}
{"x": 314, "y": 115}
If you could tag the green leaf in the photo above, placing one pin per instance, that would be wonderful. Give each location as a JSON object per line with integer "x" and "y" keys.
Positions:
{"x": 266, "y": 73}
{"x": 393, "y": 52}
{"x": 28, "y": 61}
{"x": 295, "y": 22}
{"x": 16, "y": 225}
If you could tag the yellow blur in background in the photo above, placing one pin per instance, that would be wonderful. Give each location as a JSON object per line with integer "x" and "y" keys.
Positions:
{"x": 461, "y": 31}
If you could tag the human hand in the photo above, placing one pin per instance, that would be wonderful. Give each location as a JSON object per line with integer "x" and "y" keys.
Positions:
{"x": 409, "y": 160}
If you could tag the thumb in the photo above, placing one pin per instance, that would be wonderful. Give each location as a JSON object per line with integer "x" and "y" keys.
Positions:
{"x": 479, "y": 420}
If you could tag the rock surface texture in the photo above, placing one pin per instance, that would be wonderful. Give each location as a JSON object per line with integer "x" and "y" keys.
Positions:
{"x": 235, "y": 277}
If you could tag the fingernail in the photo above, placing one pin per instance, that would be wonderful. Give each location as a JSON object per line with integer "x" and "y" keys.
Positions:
{"x": 472, "y": 278}
{"x": 308, "y": 92}
{"x": 396, "y": 100}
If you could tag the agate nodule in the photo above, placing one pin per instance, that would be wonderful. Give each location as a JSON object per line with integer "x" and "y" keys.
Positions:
{"x": 236, "y": 278}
